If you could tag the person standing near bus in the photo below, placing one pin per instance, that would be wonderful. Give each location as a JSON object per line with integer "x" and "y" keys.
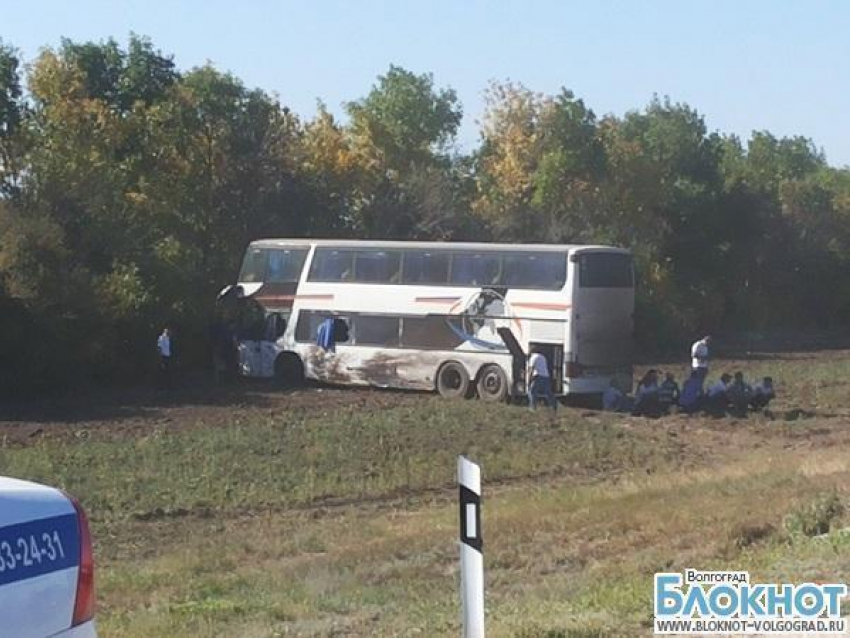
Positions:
{"x": 540, "y": 383}
{"x": 163, "y": 346}
{"x": 699, "y": 356}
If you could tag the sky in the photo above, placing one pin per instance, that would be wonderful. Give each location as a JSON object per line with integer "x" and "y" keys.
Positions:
{"x": 745, "y": 65}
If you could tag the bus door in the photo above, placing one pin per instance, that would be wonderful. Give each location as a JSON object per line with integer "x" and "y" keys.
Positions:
{"x": 518, "y": 359}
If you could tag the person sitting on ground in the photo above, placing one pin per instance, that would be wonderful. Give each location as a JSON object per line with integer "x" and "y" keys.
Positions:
{"x": 717, "y": 397}
{"x": 646, "y": 396}
{"x": 612, "y": 397}
{"x": 668, "y": 393}
{"x": 691, "y": 398}
{"x": 614, "y": 400}
{"x": 762, "y": 394}
{"x": 739, "y": 394}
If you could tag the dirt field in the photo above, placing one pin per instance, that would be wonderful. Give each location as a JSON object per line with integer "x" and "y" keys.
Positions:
{"x": 134, "y": 413}
{"x": 196, "y": 402}
{"x": 249, "y": 512}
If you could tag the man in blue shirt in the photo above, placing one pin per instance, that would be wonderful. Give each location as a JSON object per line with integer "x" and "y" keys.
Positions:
{"x": 691, "y": 397}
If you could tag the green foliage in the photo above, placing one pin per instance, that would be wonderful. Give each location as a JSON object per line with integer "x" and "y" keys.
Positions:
{"x": 405, "y": 118}
{"x": 129, "y": 189}
{"x": 10, "y": 90}
{"x": 816, "y": 517}
{"x": 11, "y": 114}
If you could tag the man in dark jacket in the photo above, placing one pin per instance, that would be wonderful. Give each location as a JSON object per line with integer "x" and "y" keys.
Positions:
{"x": 668, "y": 393}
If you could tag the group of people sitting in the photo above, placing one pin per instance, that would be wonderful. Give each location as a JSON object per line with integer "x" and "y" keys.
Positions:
{"x": 729, "y": 395}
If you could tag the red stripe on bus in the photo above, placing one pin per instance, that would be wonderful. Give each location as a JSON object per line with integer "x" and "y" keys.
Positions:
{"x": 293, "y": 297}
{"x": 437, "y": 299}
{"x": 542, "y": 306}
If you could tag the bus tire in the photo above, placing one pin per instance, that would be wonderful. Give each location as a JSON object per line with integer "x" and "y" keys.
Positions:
{"x": 453, "y": 380}
{"x": 289, "y": 371}
{"x": 492, "y": 384}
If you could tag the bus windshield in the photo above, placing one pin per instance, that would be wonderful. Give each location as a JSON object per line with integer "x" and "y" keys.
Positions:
{"x": 272, "y": 265}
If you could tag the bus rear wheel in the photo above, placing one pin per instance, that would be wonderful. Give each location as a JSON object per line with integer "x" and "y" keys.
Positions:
{"x": 492, "y": 383}
{"x": 453, "y": 380}
{"x": 289, "y": 371}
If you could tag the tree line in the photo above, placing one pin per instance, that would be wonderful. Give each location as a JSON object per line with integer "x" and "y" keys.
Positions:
{"x": 129, "y": 189}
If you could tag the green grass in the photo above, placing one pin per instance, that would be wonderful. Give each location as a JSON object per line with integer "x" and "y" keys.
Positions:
{"x": 561, "y": 559}
{"x": 342, "y": 521}
{"x": 295, "y": 459}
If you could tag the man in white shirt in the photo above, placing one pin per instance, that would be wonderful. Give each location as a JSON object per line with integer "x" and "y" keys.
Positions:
{"x": 699, "y": 356}
{"x": 163, "y": 346}
{"x": 539, "y": 381}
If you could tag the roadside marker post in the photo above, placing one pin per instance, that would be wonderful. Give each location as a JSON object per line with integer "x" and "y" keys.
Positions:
{"x": 471, "y": 556}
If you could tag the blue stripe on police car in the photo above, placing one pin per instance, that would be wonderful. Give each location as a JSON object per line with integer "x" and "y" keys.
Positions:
{"x": 38, "y": 547}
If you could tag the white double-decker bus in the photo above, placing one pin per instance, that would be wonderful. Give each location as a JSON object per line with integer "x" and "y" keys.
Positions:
{"x": 458, "y": 318}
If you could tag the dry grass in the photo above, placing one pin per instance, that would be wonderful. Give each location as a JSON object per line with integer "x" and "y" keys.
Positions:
{"x": 559, "y": 558}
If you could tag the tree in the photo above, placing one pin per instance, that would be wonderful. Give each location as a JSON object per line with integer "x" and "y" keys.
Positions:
{"x": 401, "y": 133}
{"x": 512, "y": 149}
{"x": 129, "y": 189}
{"x": 405, "y": 119}
{"x": 11, "y": 114}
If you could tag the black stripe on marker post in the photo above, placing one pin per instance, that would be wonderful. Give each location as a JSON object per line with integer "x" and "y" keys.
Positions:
{"x": 470, "y": 518}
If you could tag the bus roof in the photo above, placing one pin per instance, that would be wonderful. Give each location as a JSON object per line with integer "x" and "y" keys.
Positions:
{"x": 368, "y": 243}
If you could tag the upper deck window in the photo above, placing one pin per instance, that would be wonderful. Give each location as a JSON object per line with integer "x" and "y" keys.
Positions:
{"x": 546, "y": 271}
{"x": 330, "y": 264}
{"x": 605, "y": 270}
{"x": 476, "y": 269}
{"x": 284, "y": 265}
{"x": 438, "y": 266}
{"x": 378, "y": 266}
{"x": 426, "y": 267}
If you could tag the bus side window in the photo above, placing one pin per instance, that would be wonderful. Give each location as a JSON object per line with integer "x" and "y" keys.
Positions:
{"x": 332, "y": 265}
{"x": 544, "y": 271}
{"x": 342, "y": 332}
{"x": 285, "y": 265}
{"x": 376, "y": 330}
{"x": 476, "y": 269}
{"x": 308, "y": 324}
{"x": 307, "y": 328}
{"x": 378, "y": 266}
{"x": 426, "y": 267}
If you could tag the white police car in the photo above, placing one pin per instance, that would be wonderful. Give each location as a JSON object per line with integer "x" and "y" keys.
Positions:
{"x": 46, "y": 567}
